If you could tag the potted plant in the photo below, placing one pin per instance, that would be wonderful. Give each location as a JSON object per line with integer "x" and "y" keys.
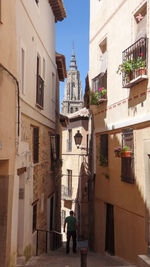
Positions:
{"x": 117, "y": 151}
{"x": 140, "y": 66}
{"x": 97, "y": 96}
{"x": 126, "y": 152}
{"x": 126, "y": 67}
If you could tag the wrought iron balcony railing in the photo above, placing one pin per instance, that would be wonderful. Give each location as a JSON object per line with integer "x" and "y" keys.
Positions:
{"x": 135, "y": 62}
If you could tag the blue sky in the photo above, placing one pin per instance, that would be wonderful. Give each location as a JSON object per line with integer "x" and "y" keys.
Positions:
{"x": 74, "y": 28}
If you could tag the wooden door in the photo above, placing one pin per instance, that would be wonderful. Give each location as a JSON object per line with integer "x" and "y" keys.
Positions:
{"x": 109, "y": 237}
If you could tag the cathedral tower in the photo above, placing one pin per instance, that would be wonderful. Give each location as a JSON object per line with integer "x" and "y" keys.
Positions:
{"x": 73, "y": 91}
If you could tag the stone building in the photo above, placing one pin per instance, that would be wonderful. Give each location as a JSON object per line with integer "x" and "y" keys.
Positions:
{"x": 119, "y": 32}
{"x": 30, "y": 71}
{"x": 73, "y": 90}
{"x": 75, "y": 172}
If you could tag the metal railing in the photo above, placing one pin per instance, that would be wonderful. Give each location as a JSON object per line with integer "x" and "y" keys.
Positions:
{"x": 136, "y": 51}
{"x": 55, "y": 240}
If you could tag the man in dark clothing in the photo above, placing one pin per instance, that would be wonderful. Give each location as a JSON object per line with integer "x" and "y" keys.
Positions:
{"x": 71, "y": 231}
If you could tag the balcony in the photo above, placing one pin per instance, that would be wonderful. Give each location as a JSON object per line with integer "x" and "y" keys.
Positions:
{"x": 66, "y": 192}
{"x": 99, "y": 89}
{"x": 135, "y": 62}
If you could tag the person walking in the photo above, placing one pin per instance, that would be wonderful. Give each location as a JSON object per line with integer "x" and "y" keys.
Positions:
{"x": 71, "y": 222}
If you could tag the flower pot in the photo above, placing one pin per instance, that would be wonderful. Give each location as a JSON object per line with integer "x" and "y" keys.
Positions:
{"x": 117, "y": 154}
{"x": 126, "y": 154}
{"x": 140, "y": 71}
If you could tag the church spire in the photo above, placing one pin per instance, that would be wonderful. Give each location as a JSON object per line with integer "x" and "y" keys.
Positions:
{"x": 73, "y": 65}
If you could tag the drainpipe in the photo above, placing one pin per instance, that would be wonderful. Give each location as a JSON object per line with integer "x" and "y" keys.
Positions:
{"x": 18, "y": 98}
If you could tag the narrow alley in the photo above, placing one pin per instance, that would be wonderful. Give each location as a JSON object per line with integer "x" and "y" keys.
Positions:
{"x": 59, "y": 258}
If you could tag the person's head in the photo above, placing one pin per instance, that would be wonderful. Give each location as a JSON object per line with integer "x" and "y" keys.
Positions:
{"x": 71, "y": 213}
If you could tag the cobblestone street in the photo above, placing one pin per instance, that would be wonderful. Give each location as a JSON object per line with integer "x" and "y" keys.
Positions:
{"x": 60, "y": 259}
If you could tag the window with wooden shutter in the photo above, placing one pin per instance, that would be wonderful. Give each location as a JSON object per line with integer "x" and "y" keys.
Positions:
{"x": 127, "y": 164}
{"x": 103, "y": 153}
{"x": 35, "y": 144}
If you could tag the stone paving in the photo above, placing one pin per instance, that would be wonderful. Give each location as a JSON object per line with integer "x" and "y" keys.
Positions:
{"x": 60, "y": 259}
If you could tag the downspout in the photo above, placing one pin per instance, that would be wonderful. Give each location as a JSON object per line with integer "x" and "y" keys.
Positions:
{"x": 18, "y": 98}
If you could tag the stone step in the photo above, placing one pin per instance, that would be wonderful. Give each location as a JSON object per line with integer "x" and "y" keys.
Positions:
{"x": 21, "y": 261}
{"x": 143, "y": 260}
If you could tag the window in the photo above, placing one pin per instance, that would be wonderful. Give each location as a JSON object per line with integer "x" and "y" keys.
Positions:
{"x": 34, "y": 217}
{"x": 127, "y": 164}
{"x": 37, "y": 1}
{"x": 39, "y": 86}
{"x": 35, "y": 144}
{"x": 22, "y": 70}
{"x": 69, "y": 172}
{"x": 140, "y": 18}
{"x": 69, "y": 141}
{"x": 103, "y": 153}
{"x": 99, "y": 81}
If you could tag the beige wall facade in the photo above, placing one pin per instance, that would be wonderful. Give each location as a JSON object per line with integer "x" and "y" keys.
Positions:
{"x": 8, "y": 126}
{"x": 34, "y": 186}
{"x": 115, "y": 27}
{"x": 73, "y": 191}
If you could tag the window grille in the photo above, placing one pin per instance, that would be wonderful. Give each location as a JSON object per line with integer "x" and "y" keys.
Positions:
{"x": 103, "y": 153}
{"x": 35, "y": 144}
{"x": 127, "y": 164}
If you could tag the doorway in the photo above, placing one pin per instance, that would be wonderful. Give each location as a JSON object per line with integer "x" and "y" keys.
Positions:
{"x": 109, "y": 236}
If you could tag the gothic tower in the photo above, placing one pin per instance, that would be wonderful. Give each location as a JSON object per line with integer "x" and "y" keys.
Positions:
{"x": 73, "y": 91}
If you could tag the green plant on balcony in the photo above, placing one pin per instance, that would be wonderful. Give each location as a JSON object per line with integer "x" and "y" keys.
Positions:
{"x": 126, "y": 152}
{"x": 132, "y": 68}
{"x": 126, "y": 66}
{"x": 96, "y": 96}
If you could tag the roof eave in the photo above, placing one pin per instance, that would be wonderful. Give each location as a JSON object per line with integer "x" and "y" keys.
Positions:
{"x": 58, "y": 9}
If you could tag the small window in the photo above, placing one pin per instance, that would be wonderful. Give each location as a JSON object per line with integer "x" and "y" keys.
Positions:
{"x": 37, "y": 1}
{"x": 39, "y": 86}
{"x": 34, "y": 222}
{"x": 127, "y": 164}
{"x": 103, "y": 153}
{"x": 141, "y": 22}
{"x": 35, "y": 144}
